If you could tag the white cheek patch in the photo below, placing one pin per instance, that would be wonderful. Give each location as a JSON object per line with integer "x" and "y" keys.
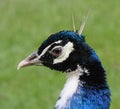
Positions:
{"x": 67, "y": 49}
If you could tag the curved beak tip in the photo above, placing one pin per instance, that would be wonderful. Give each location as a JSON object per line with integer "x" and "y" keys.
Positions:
{"x": 22, "y": 64}
{"x": 18, "y": 67}
{"x": 30, "y": 60}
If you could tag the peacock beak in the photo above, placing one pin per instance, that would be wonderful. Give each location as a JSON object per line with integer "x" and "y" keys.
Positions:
{"x": 32, "y": 59}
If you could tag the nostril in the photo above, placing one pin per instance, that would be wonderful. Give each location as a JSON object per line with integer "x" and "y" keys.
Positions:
{"x": 32, "y": 56}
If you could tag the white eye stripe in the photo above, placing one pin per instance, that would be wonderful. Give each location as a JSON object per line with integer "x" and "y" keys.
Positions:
{"x": 46, "y": 49}
{"x": 57, "y": 42}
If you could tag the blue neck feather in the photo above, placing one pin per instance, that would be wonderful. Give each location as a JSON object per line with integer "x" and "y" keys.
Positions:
{"x": 90, "y": 98}
{"x": 94, "y": 93}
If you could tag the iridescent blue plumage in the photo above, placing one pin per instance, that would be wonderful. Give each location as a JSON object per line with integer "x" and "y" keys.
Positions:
{"x": 94, "y": 92}
{"x": 90, "y": 98}
{"x": 62, "y": 35}
{"x": 86, "y": 86}
{"x": 87, "y": 97}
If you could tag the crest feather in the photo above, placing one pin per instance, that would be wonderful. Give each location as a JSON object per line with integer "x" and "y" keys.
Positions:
{"x": 83, "y": 24}
{"x": 73, "y": 23}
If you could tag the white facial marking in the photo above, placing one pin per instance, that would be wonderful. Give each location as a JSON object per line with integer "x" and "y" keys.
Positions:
{"x": 45, "y": 50}
{"x": 69, "y": 88}
{"x": 67, "y": 49}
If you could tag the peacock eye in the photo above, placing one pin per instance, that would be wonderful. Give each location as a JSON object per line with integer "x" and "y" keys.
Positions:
{"x": 56, "y": 51}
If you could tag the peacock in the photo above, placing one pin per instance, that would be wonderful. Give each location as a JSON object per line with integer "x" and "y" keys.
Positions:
{"x": 68, "y": 52}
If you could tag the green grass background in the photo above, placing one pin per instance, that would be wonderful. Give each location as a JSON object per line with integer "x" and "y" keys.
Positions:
{"x": 24, "y": 24}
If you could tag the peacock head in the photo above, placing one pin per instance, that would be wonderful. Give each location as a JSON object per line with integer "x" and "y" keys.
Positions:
{"x": 62, "y": 51}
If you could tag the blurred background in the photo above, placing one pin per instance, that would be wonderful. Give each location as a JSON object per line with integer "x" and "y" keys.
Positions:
{"x": 24, "y": 24}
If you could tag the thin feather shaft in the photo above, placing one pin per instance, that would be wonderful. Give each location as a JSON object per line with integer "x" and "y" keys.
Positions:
{"x": 73, "y": 22}
{"x": 83, "y": 24}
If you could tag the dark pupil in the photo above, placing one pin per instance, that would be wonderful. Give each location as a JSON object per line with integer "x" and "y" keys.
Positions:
{"x": 57, "y": 51}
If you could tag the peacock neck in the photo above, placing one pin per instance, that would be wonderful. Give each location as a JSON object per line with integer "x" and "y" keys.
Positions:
{"x": 77, "y": 92}
{"x": 90, "y": 97}
{"x": 69, "y": 89}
